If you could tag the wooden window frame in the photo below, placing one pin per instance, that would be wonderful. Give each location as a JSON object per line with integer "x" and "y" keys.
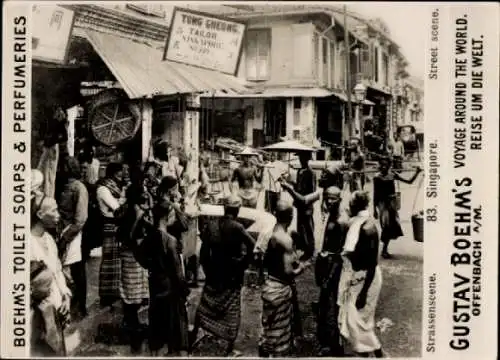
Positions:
{"x": 257, "y": 76}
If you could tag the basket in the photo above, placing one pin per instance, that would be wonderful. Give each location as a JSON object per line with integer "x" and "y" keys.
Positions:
{"x": 417, "y": 222}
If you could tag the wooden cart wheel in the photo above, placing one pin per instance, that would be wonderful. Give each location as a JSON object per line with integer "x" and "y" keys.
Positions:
{"x": 113, "y": 118}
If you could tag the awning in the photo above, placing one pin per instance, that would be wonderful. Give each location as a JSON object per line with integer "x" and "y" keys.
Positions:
{"x": 275, "y": 93}
{"x": 385, "y": 91}
{"x": 286, "y": 93}
{"x": 343, "y": 97}
{"x": 141, "y": 71}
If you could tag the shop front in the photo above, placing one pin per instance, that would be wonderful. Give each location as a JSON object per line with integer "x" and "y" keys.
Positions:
{"x": 162, "y": 96}
{"x": 266, "y": 116}
{"x": 381, "y": 116}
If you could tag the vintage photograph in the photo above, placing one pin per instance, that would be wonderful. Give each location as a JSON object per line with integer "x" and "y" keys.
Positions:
{"x": 230, "y": 180}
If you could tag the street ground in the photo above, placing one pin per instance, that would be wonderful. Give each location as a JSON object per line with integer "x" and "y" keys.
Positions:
{"x": 399, "y": 313}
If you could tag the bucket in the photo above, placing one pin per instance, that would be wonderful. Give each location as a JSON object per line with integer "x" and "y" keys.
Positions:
{"x": 417, "y": 222}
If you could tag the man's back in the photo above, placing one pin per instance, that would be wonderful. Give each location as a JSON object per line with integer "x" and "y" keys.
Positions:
{"x": 228, "y": 249}
{"x": 73, "y": 200}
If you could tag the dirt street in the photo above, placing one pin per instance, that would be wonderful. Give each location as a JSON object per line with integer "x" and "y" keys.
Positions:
{"x": 399, "y": 312}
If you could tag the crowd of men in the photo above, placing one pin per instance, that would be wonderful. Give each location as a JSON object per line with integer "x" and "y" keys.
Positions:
{"x": 144, "y": 219}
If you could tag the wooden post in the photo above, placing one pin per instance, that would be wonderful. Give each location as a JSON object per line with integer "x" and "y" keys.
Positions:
{"x": 72, "y": 114}
{"x": 146, "y": 130}
{"x": 348, "y": 72}
{"x": 191, "y": 131}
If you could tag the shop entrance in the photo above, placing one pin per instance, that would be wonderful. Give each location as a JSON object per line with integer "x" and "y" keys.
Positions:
{"x": 222, "y": 118}
{"x": 274, "y": 120}
{"x": 329, "y": 125}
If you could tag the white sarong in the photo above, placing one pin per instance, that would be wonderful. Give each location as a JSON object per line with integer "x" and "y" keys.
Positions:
{"x": 357, "y": 327}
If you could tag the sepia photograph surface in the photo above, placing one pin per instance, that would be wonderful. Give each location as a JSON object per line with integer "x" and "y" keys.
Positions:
{"x": 249, "y": 179}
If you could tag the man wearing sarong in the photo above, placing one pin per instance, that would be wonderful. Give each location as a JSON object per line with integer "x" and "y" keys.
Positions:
{"x": 224, "y": 255}
{"x": 360, "y": 280}
{"x": 357, "y": 165}
{"x": 301, "y": 202}
{"x": 283, "y": 265}
{"x": 168, "y": 290}
{"x": 327, "y": 271}
{"x": 136, "y": 223}
{"x": 385, "y": 202}
{"x": 110, "y": 198}
{"x": 305, "y": 185}
{"x": 245, "y": 175}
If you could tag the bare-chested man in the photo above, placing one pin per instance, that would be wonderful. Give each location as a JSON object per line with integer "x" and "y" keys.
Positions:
{"x": 245, "y": 175}
{"x": 283, "y": 265}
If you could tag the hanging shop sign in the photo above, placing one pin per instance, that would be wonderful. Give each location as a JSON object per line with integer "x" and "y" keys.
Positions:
{"x": 204, "y": 40}
{"x": 52, "y": 26}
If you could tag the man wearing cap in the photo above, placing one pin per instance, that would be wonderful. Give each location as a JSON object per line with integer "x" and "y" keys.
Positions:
{"x": 283, "y": 265}
{"x": 245, "y": 175}
{"x": 224, "y": 255}
{"x": 328, "y": 266}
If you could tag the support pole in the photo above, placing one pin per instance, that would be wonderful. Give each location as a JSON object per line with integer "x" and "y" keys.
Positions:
{"x": 348, "y": 74}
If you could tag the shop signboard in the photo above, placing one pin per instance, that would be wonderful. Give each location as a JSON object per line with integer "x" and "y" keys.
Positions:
{"x": 52, "y": 26}
{"x": 204, "y": 40}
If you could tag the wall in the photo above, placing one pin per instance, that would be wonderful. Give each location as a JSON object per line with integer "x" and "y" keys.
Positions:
{"x": 291, "y": 53}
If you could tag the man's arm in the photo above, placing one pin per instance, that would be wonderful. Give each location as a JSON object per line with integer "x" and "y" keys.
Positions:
{"x": 246, "y": 237}
{"x": 370, "y": 232}
{"x": 302, "y": 199}
{"x": 176, "y": 260}
{"x": 410, "y": 181}
{"x": 259, "y": 173}
{"x": 81, "y": 197}
{"x": 109, "y": 200}
{"x": 291, "y": 263}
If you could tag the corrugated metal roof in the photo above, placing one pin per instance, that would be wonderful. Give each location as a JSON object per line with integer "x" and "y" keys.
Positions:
{"x": 277, "y": 92}
{"x": 141, "y": 71}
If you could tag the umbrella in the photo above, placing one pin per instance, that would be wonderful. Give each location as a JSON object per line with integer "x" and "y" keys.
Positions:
{"x": 291, "y": 146}
{"x": 247, "y": 152}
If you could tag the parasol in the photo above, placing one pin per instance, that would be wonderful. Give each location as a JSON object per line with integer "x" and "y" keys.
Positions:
{"x": 290, "y": 146}
{"x": 247, "y": 151}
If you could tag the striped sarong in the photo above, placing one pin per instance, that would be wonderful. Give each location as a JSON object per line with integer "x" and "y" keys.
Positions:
{"x": 109, "y": 273}
{"x": 134, "y": 287}
{"x": 219, "y": 311}
{"x": 277, "y": 315}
